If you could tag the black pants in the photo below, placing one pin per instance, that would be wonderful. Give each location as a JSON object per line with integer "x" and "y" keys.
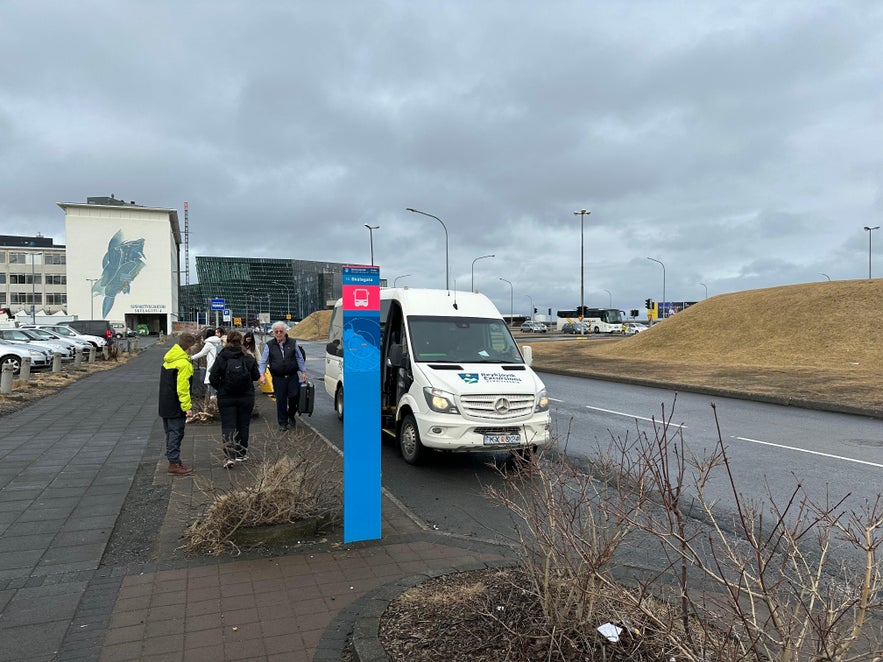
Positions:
{"x": 285, "y": 389}
{"x": 235, "y": 412}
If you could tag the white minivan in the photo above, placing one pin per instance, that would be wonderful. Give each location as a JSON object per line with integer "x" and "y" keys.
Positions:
{"x": 451, "y": 376}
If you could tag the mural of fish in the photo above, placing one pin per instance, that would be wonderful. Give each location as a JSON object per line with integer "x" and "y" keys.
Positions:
{"x": 121, "y": 264}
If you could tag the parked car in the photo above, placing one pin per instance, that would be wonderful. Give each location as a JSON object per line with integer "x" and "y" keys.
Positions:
{"x": 67, "y": 332}
{"x": 78, "y": 343}
{"x": 631, "y": 328}
{"x": 578, "y": 328}
{"x": 14, "y": 353}
{"x": 533, "y": 327}
{"x": 120, "y": 330}
{"x": 100, "y": 328}
{"x": 28, "y": 337}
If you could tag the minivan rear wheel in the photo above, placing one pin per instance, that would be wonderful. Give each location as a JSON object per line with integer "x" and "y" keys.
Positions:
{"x": 409, "y": 440}
{"x": 338, "y": 402}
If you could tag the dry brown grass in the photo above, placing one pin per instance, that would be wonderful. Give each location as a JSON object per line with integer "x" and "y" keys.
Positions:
{"x": 816, "y": 343}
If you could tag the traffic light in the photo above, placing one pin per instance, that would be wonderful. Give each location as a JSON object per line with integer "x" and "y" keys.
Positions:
{"x": 534, "y": 310}
{"x": 648, "y": 304}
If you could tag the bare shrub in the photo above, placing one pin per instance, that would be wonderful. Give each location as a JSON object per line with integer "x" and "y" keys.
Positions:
{"x": 285, "y": 484}
{"x": 760, "y": 582}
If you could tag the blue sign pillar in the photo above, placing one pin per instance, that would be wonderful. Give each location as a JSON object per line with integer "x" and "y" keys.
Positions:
{"x": 361, "y": 402}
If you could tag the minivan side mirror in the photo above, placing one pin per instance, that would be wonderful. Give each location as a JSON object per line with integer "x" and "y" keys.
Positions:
{"x": 527, "y": 353}
{"x": 395, "y": 355}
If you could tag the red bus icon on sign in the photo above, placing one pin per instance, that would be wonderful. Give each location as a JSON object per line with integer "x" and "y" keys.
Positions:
{"x": 360, "y": 296}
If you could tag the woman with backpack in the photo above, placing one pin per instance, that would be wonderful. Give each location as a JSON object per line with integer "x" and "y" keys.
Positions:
{"x": 233, "y": 375}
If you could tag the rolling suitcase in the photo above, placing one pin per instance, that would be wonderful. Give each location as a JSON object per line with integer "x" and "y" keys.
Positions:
{"x": 306, "y": 396}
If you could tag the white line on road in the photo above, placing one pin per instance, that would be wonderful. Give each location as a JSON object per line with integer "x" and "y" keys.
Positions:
{"x": 640, "y": 418}
{"x": 803, "y": 450}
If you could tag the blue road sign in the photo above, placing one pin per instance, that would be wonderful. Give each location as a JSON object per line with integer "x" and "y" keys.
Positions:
{"x": 218, "y": 304}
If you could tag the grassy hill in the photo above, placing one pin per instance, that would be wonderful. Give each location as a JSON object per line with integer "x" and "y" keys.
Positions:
{"x": 815, "y": 344}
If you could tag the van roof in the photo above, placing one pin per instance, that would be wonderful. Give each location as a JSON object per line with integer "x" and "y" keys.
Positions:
{"x": 443, "y": 303}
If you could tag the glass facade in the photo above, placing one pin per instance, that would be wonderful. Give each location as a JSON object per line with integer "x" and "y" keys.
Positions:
{"x": 257, "y": 289}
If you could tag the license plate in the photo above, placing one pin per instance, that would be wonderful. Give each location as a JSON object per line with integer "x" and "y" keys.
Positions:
{"x": 502, "y": 439}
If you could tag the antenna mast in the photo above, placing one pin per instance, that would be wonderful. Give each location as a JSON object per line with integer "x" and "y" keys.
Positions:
{"x": 186, "y": 244}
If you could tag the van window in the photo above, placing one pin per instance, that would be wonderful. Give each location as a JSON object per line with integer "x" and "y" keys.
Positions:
{"x": 462, "y": 340}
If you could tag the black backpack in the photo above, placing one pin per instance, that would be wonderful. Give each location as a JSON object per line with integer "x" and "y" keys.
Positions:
{"x": 237, "y": 379}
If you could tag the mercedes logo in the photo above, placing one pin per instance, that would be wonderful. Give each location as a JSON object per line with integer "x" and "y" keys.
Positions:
{"x": 501, "y": 406}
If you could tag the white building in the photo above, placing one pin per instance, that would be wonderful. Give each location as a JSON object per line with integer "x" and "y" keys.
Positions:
{"x": 123, "y": 262}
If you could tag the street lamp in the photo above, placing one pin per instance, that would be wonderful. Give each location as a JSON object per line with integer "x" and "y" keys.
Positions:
{"x": 34, "y": 287}
{"x": 582, "y": 213}
{"x": 532, "y": 309}
{"x": 706, "y": 289}
{"x": 447, "y": 268}
{"x": 511, "y": 300}
{"x": 287, "y": 294}
{"x": 92, "y": 297}
{"x": 609, "y": 299}
{"x": 480, "y": 257}
{"x": 396, "y": 279}
{"x": 870, "y": 230}
{"x": 371, "y": 229}
{"x": 663, "y": 282}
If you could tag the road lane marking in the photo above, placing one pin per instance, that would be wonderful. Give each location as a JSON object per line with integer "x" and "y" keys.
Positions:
{"x": 640, "y": 418}
{"x": 803, "y": 450}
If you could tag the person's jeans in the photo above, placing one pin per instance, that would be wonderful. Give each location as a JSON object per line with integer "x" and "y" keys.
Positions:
{"x": 174, "y": 428}
{"x": 285, "y": 390}
{"x": 235, "y": 412}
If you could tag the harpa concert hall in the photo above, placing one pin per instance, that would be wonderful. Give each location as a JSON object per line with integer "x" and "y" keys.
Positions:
{"x": 123, "y": 262}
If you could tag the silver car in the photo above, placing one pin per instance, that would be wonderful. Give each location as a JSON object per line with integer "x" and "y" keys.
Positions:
{"x": 14, "y": 353}
{"x": 28, "y": 337}
{"x": 67, "y": 332}
{"x": 78, "y": 343}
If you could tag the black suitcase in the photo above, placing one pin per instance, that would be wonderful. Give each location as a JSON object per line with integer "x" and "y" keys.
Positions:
{"x": 306, "y": 396}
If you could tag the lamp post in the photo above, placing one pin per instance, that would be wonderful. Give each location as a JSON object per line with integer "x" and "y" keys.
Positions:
{"x": 480, "y": 257}
{"x": 663, "y": 282}
{"x": 582, "y": 213}
{"x": 870, "y": 230}
{"x": 532, "y": 309}
{"x": 91, "y": 298}
{"x": 447, "y": 267}
{"x": 511, "y": 300}
{"x": 371, "y": 229}
{"x": 396, "y": 279}
{"x": 706, "y": 289}
{"x": 609, "y": 299}
{"x": 34, "y": 287}
{"x": 288, "y": 296}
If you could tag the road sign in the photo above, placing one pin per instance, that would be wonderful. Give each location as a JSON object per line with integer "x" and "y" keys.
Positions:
{"x": 218, "y": 304}
{"x": 227, "y": 315}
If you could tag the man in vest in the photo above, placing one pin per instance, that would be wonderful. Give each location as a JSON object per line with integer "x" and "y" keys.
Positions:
{"x": 288, "y": 370}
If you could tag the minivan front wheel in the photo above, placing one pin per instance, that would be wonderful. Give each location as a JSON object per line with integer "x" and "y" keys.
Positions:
{"x": 409, "y": 441}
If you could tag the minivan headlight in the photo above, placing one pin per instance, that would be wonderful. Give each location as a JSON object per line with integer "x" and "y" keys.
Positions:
{"x": 542, "y": 401}
{"x": 440, "y": 401}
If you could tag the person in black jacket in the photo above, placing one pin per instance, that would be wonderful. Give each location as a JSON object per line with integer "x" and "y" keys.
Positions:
{"x": 288, "y": 369}
{"x": 233, "y": 375}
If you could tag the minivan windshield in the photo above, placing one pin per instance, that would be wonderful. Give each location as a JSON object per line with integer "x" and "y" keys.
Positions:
{"x": 462, "y": 340}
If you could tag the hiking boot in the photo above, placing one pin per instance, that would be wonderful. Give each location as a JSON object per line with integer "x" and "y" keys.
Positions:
{"x": 229, "y": 463}
{"x": 243, "y": 458}
{"x": 178, "y": 469}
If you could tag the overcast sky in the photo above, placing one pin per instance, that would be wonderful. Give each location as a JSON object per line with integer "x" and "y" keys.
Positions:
{"x": 739, "y": 143}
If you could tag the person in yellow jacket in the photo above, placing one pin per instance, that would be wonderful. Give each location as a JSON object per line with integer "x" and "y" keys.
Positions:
{"x": 174, "y": 399}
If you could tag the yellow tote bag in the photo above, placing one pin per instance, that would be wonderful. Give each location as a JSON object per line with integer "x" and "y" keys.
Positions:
{"x": 267, "y": 386}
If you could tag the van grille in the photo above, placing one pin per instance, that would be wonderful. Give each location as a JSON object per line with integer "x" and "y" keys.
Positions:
{"x": 497, "y": 407}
